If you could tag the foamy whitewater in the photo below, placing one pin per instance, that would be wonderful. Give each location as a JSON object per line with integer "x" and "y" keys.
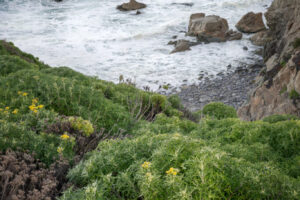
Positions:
{"x": 93, "y": 37}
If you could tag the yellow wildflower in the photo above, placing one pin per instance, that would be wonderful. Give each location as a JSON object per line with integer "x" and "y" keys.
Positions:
{"x": 64, "y": 136}
{"x": 40, "y": 106}
{"x": 34, "y": 101}
{"x": 15, "y": 111}
{"x": 1, "y": 109}
{"x": 24, "y": 94}
{"x": 35, "y": 111}
{"x": 32, "y": 107}
{"x": 6, "y": 108}
{"x": 60, "y": 149}
{"x": 146, "y": 165}
{"x": 172, "y": 171}
{"x": 19, "y": 92}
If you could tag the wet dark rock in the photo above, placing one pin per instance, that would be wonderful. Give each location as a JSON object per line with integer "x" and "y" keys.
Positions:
{"x": 172, "y": 42}
{"x": 132, "y": 5}
{"x": 245, "y": 48}
{"x": 233, "y": 35}
{"x": 181, "y": 45}
{"x": 184, "y": 4}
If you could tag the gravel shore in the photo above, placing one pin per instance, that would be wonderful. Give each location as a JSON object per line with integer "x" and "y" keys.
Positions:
{"x": 230, "y": 87}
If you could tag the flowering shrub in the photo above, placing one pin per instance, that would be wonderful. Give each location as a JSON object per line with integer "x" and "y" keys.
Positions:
{"x": 174, "y": 166}
{"x": 84, "y": 126}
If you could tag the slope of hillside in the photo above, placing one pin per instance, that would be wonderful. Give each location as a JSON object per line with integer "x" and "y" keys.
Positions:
{"x": 117, "y": 142}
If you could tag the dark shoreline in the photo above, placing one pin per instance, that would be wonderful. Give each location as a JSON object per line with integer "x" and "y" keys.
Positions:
{"x": 229, "y": 87}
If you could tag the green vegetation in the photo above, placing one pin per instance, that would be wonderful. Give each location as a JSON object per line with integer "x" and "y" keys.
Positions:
{"x": 283, "y": 63}
{"x": 280, "y": 118}
{"x": 283, "y": 90}
{"x": 220, "y": 159}
{"x": 294, "y": 94}
{"x": 219, "y": 111}
{"x": 84, "y": 126}
{"x": 296, "y": 43}
{"x": 166, "y": 87}
{"x": 33, "y": 96}
{"x": 154, "y": 152}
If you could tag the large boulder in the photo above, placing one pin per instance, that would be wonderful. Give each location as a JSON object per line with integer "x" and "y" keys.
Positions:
{"x": 132, "y": 5}
{"x": 211, "y": 28}
{"x": 251, "y": 23}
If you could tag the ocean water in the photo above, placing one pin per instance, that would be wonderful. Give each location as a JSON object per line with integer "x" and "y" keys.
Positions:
{"x": 93, "y": 37}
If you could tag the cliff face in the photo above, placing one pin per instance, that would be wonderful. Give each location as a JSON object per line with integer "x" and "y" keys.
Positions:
{"x": 279, "y": 83}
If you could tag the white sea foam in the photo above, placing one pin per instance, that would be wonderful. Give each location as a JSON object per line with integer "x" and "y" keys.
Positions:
{"x": 93, "y": 37}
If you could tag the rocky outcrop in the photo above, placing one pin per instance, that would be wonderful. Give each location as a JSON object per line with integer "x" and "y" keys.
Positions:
{"x": 211, "y": 28}
{"x": 251, "y": 23}
{"x": 279, "y": 83}
{"x": 132, "y": 5}
{"x": 283, "y": 19}
{"x": 279, "y": 93}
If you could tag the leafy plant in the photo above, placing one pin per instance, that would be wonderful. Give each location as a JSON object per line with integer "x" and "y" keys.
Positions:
{"x": 294, "y": 94}
{"x": 279, "y": 118}
{"x": 219, "y": 111}
{"x": 84, "y": 126}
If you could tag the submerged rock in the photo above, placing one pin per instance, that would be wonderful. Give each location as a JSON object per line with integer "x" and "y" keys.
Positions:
{"x": 184, "y": 4}
{"x": 181, "y": 45}
{"x": 251, "y": 23}
{"x": 233, "y": 35}
{"x": 132, "y": 5}
{"x": 211, "y": 28}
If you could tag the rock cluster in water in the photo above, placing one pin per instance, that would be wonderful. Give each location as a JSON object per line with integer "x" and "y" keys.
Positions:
{"x": 206, "y": 29}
